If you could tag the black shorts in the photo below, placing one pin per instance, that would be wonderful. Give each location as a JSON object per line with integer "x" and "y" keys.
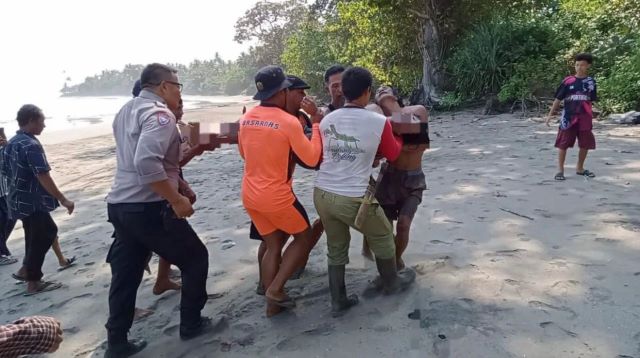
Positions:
{"x": 400, "y": 192}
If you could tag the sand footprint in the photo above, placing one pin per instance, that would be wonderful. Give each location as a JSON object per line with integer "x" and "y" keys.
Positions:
{"x": 553, "y": 330}
{"x": 303, "y": 340}
{"x": 605, "y": 240}
{"x": 597, "y": 295}
{"x": 436, "y": 242}
{"x": 64, "y": 302}
{"x": 505, "y": 253}
{"x": 564, "y": 288}
{"x": 545, "y": 307}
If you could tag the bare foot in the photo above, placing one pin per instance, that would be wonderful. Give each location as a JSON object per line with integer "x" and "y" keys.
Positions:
{"x": 279, "y": 298}
{"x": 165, "y": 285}
{"x": 273, "y": 309}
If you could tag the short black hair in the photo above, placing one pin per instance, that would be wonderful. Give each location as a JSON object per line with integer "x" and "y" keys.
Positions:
{"x": 587, "y": 57}
{"x": 28, "y": 113}
{"x": 335, "y": 69}
{"x": 355, "y": 81}
{"x": 155, "y": 73}
{"x": 137, "y": 87}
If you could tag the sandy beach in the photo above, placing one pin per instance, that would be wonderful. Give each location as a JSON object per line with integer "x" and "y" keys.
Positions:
{"x": 510, "y": 262}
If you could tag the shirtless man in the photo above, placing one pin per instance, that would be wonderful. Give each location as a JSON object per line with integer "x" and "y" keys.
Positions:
{"x": 400, "y": 191}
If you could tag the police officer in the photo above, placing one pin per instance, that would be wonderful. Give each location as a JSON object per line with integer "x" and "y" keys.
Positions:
{"x": 148, "y": 211}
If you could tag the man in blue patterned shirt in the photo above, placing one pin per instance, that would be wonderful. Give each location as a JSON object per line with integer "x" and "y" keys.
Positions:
{"x": 6, "y": 224}
{"x": 32, "y": 195}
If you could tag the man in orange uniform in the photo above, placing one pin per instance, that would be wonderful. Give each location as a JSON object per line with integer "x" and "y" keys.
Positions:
{"x": 268, "y": 134}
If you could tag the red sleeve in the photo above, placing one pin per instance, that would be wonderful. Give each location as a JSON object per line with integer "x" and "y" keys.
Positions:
{"x": 390, "y": 145}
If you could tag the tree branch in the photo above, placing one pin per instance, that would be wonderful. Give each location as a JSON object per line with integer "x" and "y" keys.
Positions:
{"x": 418, "y": 14}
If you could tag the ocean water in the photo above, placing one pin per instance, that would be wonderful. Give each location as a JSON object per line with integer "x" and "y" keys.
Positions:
{"x": 65, "y": 113}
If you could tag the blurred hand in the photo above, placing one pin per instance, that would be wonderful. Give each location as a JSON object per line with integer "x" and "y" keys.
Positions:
{"x": 309, "y": 105}
{"x": 187, "y": 192}
{"x": 70, "y": 205}
{"x": 376, "y": 160}
{"x": 182, "y": 207}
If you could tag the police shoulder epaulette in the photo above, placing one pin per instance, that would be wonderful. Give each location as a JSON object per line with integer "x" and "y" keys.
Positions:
{"x": 160, "y": 104}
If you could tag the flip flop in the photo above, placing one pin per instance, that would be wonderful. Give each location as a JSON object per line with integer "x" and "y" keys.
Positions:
{"x": 286, "y": 302}
{"x": 559, "y": 176}
{"x": 70, "y": 262}
{"x": 45, "y": 287}
{"x": 18, "y": 278}
{"x": 587, "y": 174}
{"x": 7, "y": 260}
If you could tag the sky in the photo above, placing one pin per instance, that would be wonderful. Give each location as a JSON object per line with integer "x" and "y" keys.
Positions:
{"x": 45, "y": 41}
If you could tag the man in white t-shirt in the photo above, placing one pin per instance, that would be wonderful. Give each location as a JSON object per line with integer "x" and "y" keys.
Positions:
{"x": 351, "y": 137}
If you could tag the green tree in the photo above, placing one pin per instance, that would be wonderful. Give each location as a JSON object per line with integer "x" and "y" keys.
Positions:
{"x": 440, "y": 22}
{"x": 269, "y": 24}
{"x": 309, "y": 53}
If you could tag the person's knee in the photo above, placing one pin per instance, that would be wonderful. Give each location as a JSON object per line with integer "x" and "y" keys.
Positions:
{"x": 383, "y": 247}
{"x": 197, "y": 262}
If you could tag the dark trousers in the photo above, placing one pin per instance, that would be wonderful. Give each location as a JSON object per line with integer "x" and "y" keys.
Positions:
{"x": 6, "y": 227}
{"x": 39, "y": 233}
{"x": 140, "y": 229}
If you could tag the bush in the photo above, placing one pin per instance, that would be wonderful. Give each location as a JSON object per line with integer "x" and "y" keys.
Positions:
{"x": 532, "y": 79}
{"x": 449, "y": 101}
{"x": 486, "y": 59}
{"x": 620, "y": 91}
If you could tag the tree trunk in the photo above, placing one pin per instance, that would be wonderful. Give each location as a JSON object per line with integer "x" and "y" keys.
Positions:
{"x": 432, "y": 49}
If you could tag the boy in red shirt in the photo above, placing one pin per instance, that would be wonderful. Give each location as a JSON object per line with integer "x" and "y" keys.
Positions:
{"x": 577, "y": 92}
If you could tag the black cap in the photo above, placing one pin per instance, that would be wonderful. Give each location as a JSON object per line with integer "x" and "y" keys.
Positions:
{"x": 269, "y": 81}
{"x": 137, "y": 87}
{"x": 297, "y": 83}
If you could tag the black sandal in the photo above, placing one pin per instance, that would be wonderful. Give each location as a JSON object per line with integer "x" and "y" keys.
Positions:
{"x": 70, "y": 263}
{"x": 559, "y": 176}
{"x": 587, "y": 174}
{"x": 18, "y": 278}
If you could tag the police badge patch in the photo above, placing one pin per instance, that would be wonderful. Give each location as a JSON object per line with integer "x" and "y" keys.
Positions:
{"x": 163, "y": 119}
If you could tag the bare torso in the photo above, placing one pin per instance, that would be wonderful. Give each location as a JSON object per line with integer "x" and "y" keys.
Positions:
{"x": 411, "y": 156}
